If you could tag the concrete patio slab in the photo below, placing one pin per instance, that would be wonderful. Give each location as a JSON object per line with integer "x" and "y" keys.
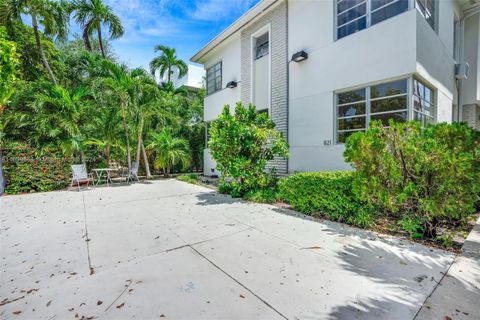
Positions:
{"x": 458, "y": 294}
{"x": 174, "y": 285}
{"x": 179, "y": 251}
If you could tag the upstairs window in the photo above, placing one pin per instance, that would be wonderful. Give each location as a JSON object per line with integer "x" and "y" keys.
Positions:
{"x": 356, "y": 15}
{"x": 261, "y": 46}
{"x": 214, "y": 78}
{"x": 427, "y": 9}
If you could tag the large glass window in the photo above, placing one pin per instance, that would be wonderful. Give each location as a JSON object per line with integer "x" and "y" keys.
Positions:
{"x": 385, "y": 101}
{"x": 427, "y": 9}
{"x": 214, "y": 78}
{"x": 356, "y": 15}
{"x": 423, "y": 104}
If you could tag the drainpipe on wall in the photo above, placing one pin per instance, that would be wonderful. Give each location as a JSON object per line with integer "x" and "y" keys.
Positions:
{"x": 466, "y": 14}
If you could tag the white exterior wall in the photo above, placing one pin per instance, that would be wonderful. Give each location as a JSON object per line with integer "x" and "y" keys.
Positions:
{"x": 229, "y": 54}
{"x": 261, "y": 82}
{"x": 472, "y": 56}
{"x": 398, "y": 47}
{"x": 193, "y": 78}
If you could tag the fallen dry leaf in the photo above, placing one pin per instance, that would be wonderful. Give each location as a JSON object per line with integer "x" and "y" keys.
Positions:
{"x": 17, "y": 312}
{"x": 99, "y": 302}
{"x": 241, "y": 296}
{"x": 120, "y": 305}
{"x": 314, "y": 247}
{"x": 49, "y": 303}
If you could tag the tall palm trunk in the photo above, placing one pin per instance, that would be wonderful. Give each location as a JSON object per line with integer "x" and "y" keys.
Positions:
{"x": 86, "y": 40}
{"x": 107, "y": 153}
{"x": 169, "y": 73}
{"x": 139, "y": 142}
{"x": 40, "y": 48}
{"x": 82, "y": 157}
{"x": 100, "y": 41}
{"x": 125, "y": 129}
{"x": 145, "y": 159}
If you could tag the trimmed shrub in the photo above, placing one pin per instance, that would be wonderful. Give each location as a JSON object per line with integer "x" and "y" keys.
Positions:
{"x": 431, "y": 175}
{"x": 262, "y": 195}
{"x": 242, "y": 143}
{"x": 327, "y": 194}
{"x": 31, "y": 170}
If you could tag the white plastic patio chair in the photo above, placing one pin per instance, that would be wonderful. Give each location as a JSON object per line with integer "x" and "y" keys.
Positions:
{"x": 80, "y": 175}
{"x": 133, "y": 172}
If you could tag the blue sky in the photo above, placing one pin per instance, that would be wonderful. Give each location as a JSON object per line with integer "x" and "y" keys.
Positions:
{"x": 186, "y": 25}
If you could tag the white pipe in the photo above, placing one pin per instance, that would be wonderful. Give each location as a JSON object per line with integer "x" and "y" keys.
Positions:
{"x": 466, "y": 14}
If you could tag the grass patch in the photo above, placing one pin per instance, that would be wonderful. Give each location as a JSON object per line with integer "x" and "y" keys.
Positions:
{"x": 192, "y": 178}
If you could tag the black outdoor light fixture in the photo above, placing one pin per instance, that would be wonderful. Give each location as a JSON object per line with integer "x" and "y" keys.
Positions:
{"x": 232, "y": 84}
{"x": 299, "y": 56}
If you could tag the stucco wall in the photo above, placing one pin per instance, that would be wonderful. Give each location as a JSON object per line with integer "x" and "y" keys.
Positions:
{"x": 402, "y": 46}
{"x": 472, "y": 56}
{"x": 229, "y": 54}
{"x": 378, "y": 53}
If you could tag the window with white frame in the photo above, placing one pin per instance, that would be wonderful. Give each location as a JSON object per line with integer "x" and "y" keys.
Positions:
{"x": 427, "y": 9}
{"x": 261, "y": 46}
{"x": 214, "y": 78}
{"x": 385, "y": 101}
{"x": 423, "y": 104}
{"x": 356, "y": 15}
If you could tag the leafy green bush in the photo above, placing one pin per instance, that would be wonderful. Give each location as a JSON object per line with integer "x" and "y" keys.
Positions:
{"x": 30, "y": 170}
{"x": 262, "y": 195}
{"x": 327, "y": 194}
{"x": 9, "y": 61}
{"x": 242, "y": 143}
{"x": 432, "y": 173}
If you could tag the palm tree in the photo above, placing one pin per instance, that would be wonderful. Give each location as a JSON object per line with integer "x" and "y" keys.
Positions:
{"x": 105, "y": 130}
{"x": 90, "y": 15}
{"x": 59, "y": 114}
{"x": 166, "y": 62}
{"x": 145, "y": 106}
{"x": 123, "y": 86}
{"x": 51, "y": 14}
{"x": 170, "y": 151}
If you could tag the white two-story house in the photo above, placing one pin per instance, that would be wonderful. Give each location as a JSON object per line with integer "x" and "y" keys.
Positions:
{"x": 324, "y": 69}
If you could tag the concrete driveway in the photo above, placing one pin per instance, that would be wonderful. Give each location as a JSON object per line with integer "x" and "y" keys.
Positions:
{"x": 170, "y": 250}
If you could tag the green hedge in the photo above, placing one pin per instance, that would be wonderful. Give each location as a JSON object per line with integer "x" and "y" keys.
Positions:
{"x": 327, "y": 194}
{"x": 30, "y": 170}
{"x": 430, "y": 175}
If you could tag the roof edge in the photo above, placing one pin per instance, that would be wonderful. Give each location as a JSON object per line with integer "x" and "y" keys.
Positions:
{"x": 248, "y": 16}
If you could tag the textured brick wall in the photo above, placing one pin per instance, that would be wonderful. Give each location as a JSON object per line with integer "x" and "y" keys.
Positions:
{"x": 277, "y": 18}
{"x": 471, "y": 115}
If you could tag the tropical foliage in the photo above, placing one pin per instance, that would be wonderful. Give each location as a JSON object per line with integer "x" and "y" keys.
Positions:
{"x": 169, "y": 151}
{"x": 326, "y": 194}
{"x": 242, "y": 143}
{"x": 430, "y": 175}
{"x": 72, "y": 98}
{"x": 8, "y": 63}
{"x": 167, "y": 62}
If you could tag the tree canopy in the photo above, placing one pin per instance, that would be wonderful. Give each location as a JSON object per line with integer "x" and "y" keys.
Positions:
{"x": 71, "y": 93}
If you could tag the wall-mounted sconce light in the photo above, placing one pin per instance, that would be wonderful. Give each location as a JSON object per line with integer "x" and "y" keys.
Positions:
{"x": 232, "y": 84}
{"x": 299, "y": 56}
